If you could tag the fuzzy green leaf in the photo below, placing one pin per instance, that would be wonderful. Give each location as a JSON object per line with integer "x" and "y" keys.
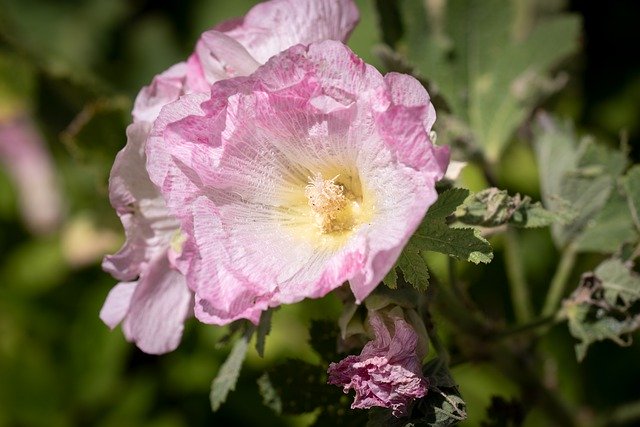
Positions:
{"x": 491, "y": 73}
{"x": 581, "y": 177}
{"x": 435, "y": 235}
{"x": 632, "y": 188}
{"x": 493, "y": 207}
{"x": 599, "y": 308}
{"x": 610, "y": 228}
{"x": 229, "y": 372}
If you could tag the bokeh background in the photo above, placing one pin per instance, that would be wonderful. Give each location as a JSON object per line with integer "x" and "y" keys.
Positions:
{"x": 70, "y": 70}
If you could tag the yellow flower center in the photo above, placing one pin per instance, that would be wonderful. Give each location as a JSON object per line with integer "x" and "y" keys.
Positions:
{"x": 331, "y": 203}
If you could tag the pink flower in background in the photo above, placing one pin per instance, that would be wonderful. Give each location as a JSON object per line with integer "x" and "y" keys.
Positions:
{"x": 387, "y": 373}
{"x": 24, "y": 154}
{"x": 152, "y": 300}
{"x": 313, "y": 171}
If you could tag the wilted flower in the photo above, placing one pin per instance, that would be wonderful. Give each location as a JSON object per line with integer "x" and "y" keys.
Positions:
{"x": 25, "y": 156}
{"x": 388, "y": 371}
{"x": 313, "y": 171}
{"x": 153, "y": 299}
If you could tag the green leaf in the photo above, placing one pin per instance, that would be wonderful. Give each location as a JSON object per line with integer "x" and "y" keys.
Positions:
{"x": 631, "y": 185}
{"x": 609, "y": 229}
{"x": 580, "y": 176}
{"x": 391, "y": 279}
{"x": 297, "y": 387}
{"x": 600, "y": 308}
{"x": 620, "y": 284}
{"x": 229, "y": 372}
{"x": 414, "y": 268}
{"x": 493, "y": 207}
{"x": 490, "y": 71}
{"x": 323, "y": 338}
{"x": 442, "y": 406}
{"x": 270, "y": 396}
{"x": 435, "y": 235}
{"x": 504, "y": 413}
{"x": 264, "y": 328}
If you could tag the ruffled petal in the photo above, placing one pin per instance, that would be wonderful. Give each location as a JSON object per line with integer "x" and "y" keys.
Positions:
{"x": 158, "y": 308}
{"x": 236, "y": 167}
{"x": 273, "y": 26}
{"x": 148, "y": 224}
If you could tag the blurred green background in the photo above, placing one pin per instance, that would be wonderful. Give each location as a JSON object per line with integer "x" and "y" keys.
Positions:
{"x": 76, "y": 66}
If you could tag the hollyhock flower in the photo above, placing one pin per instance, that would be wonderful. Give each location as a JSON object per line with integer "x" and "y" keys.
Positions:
{"x": 24, "y": 155}
{"x": 153, "y": 300}
{"x": 388, "y": 371}
{"x": 313, "y": 171}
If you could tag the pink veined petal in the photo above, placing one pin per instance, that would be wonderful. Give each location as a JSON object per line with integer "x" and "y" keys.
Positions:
{"x": 249, "y": 150}
{"x": 159, "y": 306}
{"x": 165, "y": 87}
{"x": 117, "y": 304}
{"x": 148, "y": 224}
{"x": 222, "y": 57}
{"x": 273, "y": 26}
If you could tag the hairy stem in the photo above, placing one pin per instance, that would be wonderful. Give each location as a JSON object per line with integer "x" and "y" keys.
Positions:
{"x": 559, "y": 281}
{"x": 518, "y": 287}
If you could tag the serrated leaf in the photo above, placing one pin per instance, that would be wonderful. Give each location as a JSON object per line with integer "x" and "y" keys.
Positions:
{"x": 391, "y": 279}
{"x": 264, "y": 328}
{"x": 270, "y": 396}
{"x": 414, "y": 268}
{"x": 582, "y": 176}
{"x": 434, "y": 234}
{"x": 493, "y": 207}
{"x": 491, "y": 75}
{"x": 227, "y": 377}
{"x": 599, "y": 308}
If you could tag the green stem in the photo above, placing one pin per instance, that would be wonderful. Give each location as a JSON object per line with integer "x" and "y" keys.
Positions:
{"x": 623, "y": 414}
{"x": 559, "y": 281}
{"x": 520, "y": 298}
{"x": 531, "y": 326}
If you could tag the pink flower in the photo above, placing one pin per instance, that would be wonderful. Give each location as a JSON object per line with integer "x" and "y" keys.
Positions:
{"x": 24, "y": 154}
{"x": 313, "y": 171}
{"x": 387, "y": 373}
{"x": 153, "y": 299}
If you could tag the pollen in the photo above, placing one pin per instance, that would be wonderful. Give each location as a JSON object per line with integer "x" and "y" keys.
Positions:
{"x": 330, "y": 203}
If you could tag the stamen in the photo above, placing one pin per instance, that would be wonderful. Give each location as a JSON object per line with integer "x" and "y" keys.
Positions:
{"x": 329, "y": 203}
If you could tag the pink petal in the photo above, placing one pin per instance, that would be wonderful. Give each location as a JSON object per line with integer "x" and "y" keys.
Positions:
{"x": 159, "y": 306}
{"x": 117, "y": 304}
{"x": 24, "y": 154}
{"x": 274, "y": 26}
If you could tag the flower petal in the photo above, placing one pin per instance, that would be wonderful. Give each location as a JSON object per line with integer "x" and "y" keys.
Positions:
{"x": 148, "y": 224}
{"x": 273, "y": 26}
{"x": 159, "y": 306}
{"x": 117, "y": 304}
